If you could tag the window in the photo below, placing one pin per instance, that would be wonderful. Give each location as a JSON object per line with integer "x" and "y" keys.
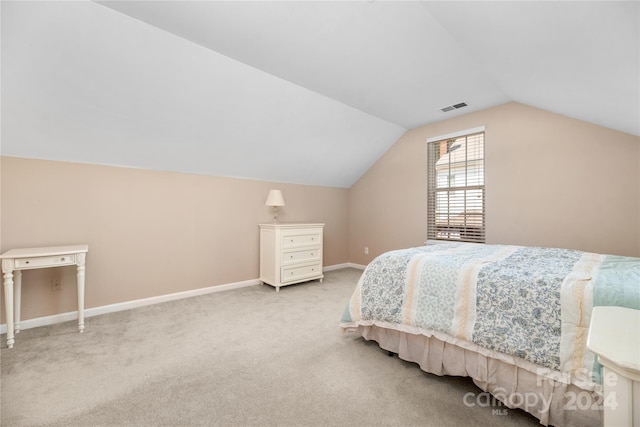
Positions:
{"x": 456, "y": 187}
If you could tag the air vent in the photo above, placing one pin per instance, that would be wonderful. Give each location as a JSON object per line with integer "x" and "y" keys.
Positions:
{"x": 453, "y": 107}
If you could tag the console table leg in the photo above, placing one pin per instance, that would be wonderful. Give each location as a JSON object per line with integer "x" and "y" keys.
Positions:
{"x": 17, "y": 295}
{"x": 8, "y": 306}
{"x": 81, "y": 268}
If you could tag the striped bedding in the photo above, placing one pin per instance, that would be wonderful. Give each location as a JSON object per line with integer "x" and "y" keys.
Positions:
{"x": 528, "y": 302}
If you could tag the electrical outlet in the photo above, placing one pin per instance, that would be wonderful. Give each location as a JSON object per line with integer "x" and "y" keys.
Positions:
{"x": 366, "y": 250}
{"x": 56, "y": 285}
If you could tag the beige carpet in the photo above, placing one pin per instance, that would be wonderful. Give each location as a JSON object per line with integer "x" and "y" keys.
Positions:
{"x": 244, "y": 357}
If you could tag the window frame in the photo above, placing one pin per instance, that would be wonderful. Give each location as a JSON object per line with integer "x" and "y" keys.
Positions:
{"x": 452, "y": 223}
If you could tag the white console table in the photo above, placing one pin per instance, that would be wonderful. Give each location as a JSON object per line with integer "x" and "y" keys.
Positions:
{"x": 17, "y": 260}
{"x": 614, "y": 335}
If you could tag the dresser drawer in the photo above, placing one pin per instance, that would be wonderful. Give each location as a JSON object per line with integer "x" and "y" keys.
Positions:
{"x": 293, "y": 273}
{"x": 301, "y": 255}
{"x": 310, "y": 237}
{"x": 45, "y": 261}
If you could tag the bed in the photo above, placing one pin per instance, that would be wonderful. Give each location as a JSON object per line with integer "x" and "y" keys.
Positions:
{"x": 513, "y": 318}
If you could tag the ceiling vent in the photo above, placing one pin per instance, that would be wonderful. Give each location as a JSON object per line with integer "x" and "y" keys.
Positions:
{"x": 453, "y": 107}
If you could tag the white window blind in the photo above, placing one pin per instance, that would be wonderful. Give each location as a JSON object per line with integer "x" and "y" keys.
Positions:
{"x": 455, "y": 205}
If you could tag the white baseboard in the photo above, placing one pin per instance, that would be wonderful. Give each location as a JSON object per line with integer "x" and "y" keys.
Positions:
{"x": 358, "y": 266}
{"x": 345, "y": 265}
{"x": 128, "y": 305}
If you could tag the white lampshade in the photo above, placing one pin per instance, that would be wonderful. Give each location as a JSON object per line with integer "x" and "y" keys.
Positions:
{"x": 275, "y": 198}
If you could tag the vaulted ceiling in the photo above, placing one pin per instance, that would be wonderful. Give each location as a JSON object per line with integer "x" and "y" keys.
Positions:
{"x": 304, "y": 92}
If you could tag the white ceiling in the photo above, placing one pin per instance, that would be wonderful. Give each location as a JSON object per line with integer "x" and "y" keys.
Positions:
{"x": 304, "y": 92}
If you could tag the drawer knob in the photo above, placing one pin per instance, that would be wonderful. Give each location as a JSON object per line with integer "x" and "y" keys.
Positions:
{"x": 26, "y": 262}
{"x": 311, "y": 253}
{"x": 62, "y": 259}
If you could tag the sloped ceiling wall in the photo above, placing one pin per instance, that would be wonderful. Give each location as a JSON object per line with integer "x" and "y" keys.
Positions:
{"x": 303, "y": 92}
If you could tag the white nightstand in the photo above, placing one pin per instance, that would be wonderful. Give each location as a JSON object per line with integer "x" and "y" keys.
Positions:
{"x": 614, "y": 335}
{"x": 290, "y": 253}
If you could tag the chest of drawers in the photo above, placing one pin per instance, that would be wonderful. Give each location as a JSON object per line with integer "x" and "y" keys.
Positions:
{"x": 290, "y": 253}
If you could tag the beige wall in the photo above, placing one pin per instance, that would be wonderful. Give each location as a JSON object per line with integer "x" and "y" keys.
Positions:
{"x": 550, "y": 181}
{"x": 150, "y": 233}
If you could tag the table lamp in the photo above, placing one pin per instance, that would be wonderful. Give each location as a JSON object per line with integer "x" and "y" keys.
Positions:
{"x": 275, "y": 199}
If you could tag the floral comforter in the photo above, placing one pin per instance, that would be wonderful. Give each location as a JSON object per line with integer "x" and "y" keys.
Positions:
{"x": 529, "y": 302}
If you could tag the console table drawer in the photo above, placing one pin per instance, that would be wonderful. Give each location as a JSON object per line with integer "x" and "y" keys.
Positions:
{"x": 299, "y": 272}
{"x": 45, "y": 261}
{"x": 297, "y": 256}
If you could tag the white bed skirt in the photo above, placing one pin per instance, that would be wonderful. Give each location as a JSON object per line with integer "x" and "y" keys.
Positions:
{"x": 517, "y": 383}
